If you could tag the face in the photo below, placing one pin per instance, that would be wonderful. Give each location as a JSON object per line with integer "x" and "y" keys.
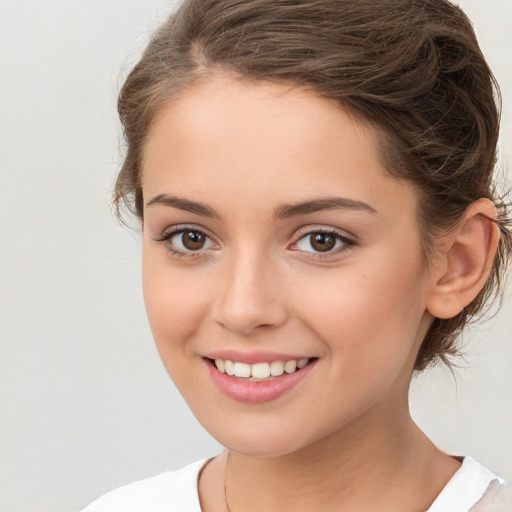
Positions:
{"x": 275, "y": 243}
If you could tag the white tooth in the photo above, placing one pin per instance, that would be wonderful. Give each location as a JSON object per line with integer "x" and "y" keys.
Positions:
{"x": 242, "y": 370}
{"x": 260, "y": 370}
{"x": 229, "y": 367}
{"x": 302, "y": 363}
{"x": 290, "y": 366}
{"x": 276, "y": 368}
{"x": 219, "y": 363}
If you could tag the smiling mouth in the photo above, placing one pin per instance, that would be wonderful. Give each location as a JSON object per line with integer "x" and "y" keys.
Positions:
{"x": 259, "y": 372}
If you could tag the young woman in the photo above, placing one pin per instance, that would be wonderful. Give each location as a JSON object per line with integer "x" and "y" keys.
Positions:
{"x": 314, "y": 181}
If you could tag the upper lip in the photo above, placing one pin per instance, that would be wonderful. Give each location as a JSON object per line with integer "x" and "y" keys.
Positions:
{"x": 253, "y": 357}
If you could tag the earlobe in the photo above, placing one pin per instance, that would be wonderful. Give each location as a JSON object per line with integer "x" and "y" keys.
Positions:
{"x": 464, "y": 267}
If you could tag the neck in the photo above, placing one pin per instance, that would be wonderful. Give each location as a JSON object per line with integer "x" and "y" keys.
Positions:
{"x": 349, "y": 470}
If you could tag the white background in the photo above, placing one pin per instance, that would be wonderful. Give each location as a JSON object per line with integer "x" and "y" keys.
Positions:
{"x": 85, "y": 404}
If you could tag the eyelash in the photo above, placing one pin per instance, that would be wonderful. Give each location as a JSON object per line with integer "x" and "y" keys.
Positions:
{"x": 165, "y": 237}
{"x": 347, "y": 243}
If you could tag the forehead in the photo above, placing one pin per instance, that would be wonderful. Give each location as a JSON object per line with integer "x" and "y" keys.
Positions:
{"x": 267, "y": 112}
{"x": 273, "y": 143}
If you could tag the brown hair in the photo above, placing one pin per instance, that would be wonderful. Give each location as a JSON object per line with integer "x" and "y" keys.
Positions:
{"x": 411, "y": 69}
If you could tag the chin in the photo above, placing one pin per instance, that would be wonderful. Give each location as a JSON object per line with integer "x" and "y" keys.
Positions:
{"x": 261, "y": 441}
{"x": 263, "y": 449}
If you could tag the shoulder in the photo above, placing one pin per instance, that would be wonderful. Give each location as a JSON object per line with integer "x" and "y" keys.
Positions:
{"x": 497, "y": 498}
{"x": 474, "y": 488}
{"x": 169, "y": 491}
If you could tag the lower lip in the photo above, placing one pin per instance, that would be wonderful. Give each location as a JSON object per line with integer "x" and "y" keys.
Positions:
{"x": 243, "y": 390}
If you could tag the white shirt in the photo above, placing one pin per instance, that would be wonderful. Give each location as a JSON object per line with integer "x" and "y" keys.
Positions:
{"x": 473, "y": 488}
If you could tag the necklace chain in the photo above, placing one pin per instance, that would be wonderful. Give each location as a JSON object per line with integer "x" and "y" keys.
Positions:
{"x": 225, "y": 483}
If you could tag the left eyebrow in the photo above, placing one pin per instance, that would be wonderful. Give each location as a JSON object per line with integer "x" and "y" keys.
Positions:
{"x": 330, "y": 203}
{"x": 183, "y": 204}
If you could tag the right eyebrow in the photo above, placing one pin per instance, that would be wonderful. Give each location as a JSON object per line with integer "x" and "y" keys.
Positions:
{"x": 329, "y": 203}
{"x": 183, "y": 204}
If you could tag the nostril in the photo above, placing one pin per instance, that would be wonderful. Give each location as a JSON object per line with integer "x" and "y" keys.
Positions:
{"x": 248, "y": 302}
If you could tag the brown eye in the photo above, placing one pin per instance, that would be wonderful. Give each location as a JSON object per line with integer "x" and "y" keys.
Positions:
{"x": 326, "y": 242}
{"x": 187, "y": 241}
{"x": 322, "y": 242}
{"x": 193, "y": 240}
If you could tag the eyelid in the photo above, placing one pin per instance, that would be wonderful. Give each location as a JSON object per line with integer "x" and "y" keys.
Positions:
{"x": 322, "y": 228}
{"x": 349, "y": 240}
{"x": 179, "y": 228}
{"x": 171, "y": 231}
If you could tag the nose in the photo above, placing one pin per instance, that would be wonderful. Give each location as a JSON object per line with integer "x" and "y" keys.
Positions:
{"x": 250, "y": 297}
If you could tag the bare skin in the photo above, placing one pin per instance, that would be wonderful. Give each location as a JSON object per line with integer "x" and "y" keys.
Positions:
{"x": 223, "y": 162}
{"x": 387, "y": 470}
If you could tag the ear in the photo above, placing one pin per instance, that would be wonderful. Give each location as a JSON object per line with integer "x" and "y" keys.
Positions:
{"x": 466, "y": 261}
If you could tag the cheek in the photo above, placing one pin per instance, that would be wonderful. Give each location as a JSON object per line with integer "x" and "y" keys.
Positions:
{"x": 175, "y": 303}
{"x": 368, "y": 314}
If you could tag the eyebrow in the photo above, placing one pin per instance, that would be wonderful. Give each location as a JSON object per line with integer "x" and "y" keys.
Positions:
{"x": 183, "y": 204}
{"x": 282, "y": 212}
{"x": 316, "y": 205}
